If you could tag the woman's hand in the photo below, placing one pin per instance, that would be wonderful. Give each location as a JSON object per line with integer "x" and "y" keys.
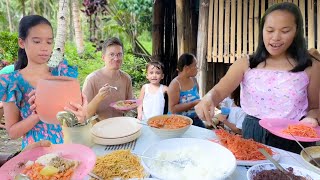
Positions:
{"x": 31, "y": 101}
{"x": 81, "y": 110}
{"x": 205, "y": 108}
{"x": 310, "y": 121}
{"x": 32, "y": 98}
{"x": 42, "y": 143}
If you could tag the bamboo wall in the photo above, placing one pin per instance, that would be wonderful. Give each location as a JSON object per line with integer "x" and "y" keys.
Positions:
{"x": 233, "y": 26}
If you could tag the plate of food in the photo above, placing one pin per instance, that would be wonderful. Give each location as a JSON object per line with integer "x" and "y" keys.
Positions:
{"x": 285, "y": 127}
{"x": 245, "y": 150}
{"x": 119, "y": 164}
{"x": 125, "y": 105}
{"x": 56, "y": 161}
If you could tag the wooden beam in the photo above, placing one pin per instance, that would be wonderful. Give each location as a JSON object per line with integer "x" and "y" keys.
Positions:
{"x": 215, "y": 31}
{"x": 256, "y": 24}
{"x": 226, "y": 46}
{"x": 210, "y": 33}
{"x": 202, "y": 45}
{"x": 263, "y": 7}
{"x": 157, "y": 30}
{"x": 250, "y": 24}
{"x": 233, "y": 32}
{"x": 318, "y": 25}
{"x": 302, "y": 9}
{"x": 180, "y": 27}
{"x": 311, "y": 24}
{"x": 245, "y": 27}
{"x": 239, "y": 28}
{"x": 220, "y": 31}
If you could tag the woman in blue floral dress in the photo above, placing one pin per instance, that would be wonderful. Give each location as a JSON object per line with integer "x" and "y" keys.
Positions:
{"x": 17, "y": 89}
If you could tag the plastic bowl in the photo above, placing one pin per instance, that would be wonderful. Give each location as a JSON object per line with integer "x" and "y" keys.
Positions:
{"x": 170, "y": 133}
{"x": 313, "y": 151}
{"x": 298, "y": 171}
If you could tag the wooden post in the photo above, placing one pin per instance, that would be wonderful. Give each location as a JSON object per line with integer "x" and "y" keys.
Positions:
{"x": 180, "y": 6}
{"x": 202, "y": 45}
{"x": 157, "y": 30}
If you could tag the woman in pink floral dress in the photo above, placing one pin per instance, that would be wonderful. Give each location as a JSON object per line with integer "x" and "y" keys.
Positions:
{"x": 280, "y": 80}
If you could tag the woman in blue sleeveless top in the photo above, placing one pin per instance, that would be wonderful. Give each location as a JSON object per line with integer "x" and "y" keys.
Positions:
{"x": 183, "y": 90}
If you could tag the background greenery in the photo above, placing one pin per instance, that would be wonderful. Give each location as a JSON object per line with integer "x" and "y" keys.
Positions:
{"x": 136, "y": 23}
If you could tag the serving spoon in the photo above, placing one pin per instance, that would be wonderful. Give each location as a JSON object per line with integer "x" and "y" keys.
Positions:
{"x": 181, "y": 163}
{"x": 304, "y": 150}
{"x": 274, "y": 162}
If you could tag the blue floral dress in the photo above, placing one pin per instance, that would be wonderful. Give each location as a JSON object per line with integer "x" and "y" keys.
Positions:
{"x": 13, "y": 88}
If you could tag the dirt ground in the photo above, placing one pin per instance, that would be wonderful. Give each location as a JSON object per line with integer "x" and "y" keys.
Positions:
{"x": 7, "y": 145}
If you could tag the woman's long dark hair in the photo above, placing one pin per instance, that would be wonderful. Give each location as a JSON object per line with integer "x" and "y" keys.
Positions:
{"x": 26, "y": 23}
{"x": 297, "y": 50}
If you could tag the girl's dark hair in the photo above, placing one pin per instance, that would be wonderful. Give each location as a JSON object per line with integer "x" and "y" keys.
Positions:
{"x": 185, "y": 59}
{"x": 297, "y": 50}
{"x": 26, "y": 23}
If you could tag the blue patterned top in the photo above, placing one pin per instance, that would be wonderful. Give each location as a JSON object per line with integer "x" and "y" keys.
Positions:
{"x": 13, "y": 88}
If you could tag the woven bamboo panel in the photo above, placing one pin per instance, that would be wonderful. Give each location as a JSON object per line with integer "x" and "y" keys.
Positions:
{"x": 234, "y": 26}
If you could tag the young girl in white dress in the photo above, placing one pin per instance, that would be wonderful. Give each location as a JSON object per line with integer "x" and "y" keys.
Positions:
{"x": 152, "y": 94}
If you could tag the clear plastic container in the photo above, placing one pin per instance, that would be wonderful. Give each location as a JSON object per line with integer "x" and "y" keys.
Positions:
{"x": 78, "y": 135}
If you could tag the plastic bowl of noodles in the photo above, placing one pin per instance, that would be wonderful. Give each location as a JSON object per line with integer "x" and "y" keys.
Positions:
{"x": 313, "y": 151}
{"x": 169, "y": 126}
{"x": 269, "y": 171}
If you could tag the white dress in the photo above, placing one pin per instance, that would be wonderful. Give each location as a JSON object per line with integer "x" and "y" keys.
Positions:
{"x": 153, "y": 103}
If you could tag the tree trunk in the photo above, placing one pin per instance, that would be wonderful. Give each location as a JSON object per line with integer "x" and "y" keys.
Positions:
{"x": 71, "y": 27}
{"x": 157, "y": 30}
{"x": 23, "y": 7}
{"x": 77, "y": 26}
{"x": 57, "y": 55}
{"x": 202, "y": 45}
{"x": 9, "y": 16}
{"x": 32, "y": 6}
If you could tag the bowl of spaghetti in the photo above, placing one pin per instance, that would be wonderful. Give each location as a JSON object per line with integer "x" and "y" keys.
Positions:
{"x": 169, "y": 126}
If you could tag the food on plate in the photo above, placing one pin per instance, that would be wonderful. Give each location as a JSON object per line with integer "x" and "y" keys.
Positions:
{"x": 277, "y": 174}
{"x": 194, "y": 163}
{"x": 126, "y": 104}
{"x": 301, "y": 130}
{"x": 243, "y": 149}
{"x": 169, "y": 122}
{"x": 50, "y": 166}
{"x": 119, "y": 164}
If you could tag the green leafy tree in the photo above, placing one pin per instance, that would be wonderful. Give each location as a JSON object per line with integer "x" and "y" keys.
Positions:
{"x": 8, "y": 46}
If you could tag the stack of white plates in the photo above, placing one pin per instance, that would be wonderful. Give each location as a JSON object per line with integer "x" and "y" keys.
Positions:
{"x": 117, "y": 130}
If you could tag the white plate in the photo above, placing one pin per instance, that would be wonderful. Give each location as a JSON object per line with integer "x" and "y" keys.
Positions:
{"x": 116, "y": 127}
{"x": 219, "y": 160}
{"x": 115, "y": 141}
{"x": 298, "y": 171}
{"x": 276, "y": 156}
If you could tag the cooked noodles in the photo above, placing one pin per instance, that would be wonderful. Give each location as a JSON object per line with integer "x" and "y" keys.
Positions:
{"x": 119, "y": 164}
{"x": 170, "y": 122}
{"x": 301, "y": 130}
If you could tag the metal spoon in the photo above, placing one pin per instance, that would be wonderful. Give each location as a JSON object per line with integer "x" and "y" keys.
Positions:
{"x": 67, "y": 118}
{"x": 181, "y": 163}
{"x": 21, "y": 177}
{"x": 274, "y": 162}
{"x": 304, "y": 150}
{"x": 87, "y": 121}
{"x": 113, "y": 87}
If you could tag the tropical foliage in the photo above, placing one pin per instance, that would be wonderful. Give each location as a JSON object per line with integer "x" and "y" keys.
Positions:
{"x": 127, "y": 19}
